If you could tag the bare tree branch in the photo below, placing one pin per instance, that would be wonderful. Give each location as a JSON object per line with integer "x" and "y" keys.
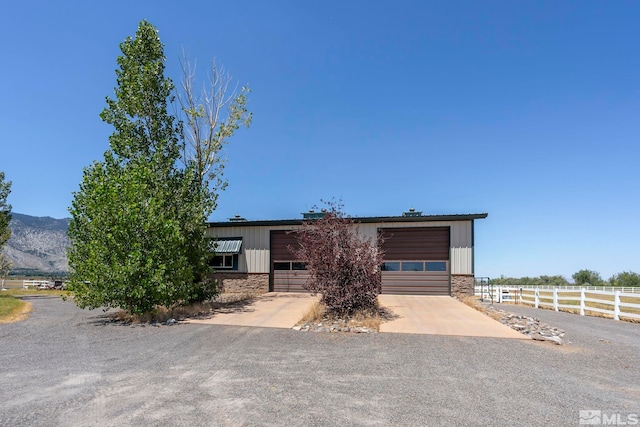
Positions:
{"x": 210, "y": 116}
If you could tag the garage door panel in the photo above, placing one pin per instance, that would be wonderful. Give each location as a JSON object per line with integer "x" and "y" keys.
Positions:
{"x": 416, "y": 243}
{"x": 417, "y": 290}
{"x": 289, "y": 280}
{"x": 411, "y": 245}
{"x": 415, "y": 283}
{"x": 284, "y": 275}
{"x": 282, "y": 242}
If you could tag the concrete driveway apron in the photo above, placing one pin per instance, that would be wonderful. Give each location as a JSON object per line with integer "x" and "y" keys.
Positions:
{"x": 272, "y": 310}
{"x": 440, "y": 315}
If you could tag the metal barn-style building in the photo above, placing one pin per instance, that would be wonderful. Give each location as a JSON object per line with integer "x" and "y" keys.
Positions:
{"x": 423, "y": 254}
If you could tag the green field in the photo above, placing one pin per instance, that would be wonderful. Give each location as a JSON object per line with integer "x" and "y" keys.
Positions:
{"x": 10, "y": 307}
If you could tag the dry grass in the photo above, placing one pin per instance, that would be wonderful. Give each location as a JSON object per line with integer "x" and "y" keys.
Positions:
{"x": 473, "y": 302}
{"x": 13, "y": 310}
{"x": 317, "y": 313}
{"x": 162, "y": 314}
{"x": 371, "y": 320}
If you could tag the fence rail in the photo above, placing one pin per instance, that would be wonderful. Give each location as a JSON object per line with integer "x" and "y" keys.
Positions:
{"x": 630, "y": 290}
{"x": 25, "y": 284}
{"x": 617, "y": 303}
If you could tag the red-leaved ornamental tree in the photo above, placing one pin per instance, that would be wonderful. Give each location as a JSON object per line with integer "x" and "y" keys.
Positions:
{"x": 344, "y": 267}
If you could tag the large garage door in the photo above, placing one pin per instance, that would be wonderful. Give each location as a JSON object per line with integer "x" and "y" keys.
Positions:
{"x": 287, "y": 274}
{"x": 416, "y": 261}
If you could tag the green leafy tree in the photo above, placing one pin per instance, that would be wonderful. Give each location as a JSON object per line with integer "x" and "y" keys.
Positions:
{"x": 5, "y": 219}
{"x": 5, "y": 210}
{"x": 531, "y": 281}
{"x": 625, "y": 279}
{"x": 587, "y": 277}
{"x": 556, "y": 281}
{"x": 138, "y": 221}
{"x": 5, "y": 265}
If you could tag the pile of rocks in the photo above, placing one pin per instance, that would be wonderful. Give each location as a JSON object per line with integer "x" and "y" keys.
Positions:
{"x": 337, "y": 325}
{"x": 532, "y": 327}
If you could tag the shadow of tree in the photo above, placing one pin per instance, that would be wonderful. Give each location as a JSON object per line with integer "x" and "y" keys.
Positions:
{"x": 387, "y": 315}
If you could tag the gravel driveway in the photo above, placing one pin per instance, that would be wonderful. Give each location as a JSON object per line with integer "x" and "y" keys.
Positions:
{"x": 65, "y": 366}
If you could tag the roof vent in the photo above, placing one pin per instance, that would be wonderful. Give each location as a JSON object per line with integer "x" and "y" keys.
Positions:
{"x": 412, "y": 212}
{"x": 313, "y": 214}
{"x": 237, "y": 218}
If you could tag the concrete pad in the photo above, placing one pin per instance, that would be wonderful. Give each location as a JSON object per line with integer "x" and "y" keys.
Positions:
{"x": 440, "y": 315}
{"x": 272, "y": 310}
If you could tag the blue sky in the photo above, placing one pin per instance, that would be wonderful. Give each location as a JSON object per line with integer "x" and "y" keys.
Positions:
{"x": 529, "y": 111}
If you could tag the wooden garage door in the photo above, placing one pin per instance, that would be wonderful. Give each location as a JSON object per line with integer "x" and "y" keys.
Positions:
{"x": 287, "y": 275}
{"x": 416, "y": 261}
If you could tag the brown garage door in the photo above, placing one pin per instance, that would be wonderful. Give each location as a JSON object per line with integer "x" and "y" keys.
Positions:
{"x": 416, "y": 261}
{"x": 287, "y": 275}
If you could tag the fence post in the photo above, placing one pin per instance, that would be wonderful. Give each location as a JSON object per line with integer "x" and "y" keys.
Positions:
{"x": 499, "y": 298}
{"x": 537, "y": 297}
{"x": 555, "y": 299}
{"x": 616, "y": 305}
{"x": 582, "y": 302}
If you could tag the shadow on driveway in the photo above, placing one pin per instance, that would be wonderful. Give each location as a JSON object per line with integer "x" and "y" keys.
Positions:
{"x": 272, "y": 310}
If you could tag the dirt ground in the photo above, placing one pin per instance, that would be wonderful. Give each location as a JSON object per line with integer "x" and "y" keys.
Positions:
{"x": 68, "y": 367}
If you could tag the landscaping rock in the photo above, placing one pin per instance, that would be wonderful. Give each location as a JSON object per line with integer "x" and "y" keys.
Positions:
{"x": 530, "y": 326}
{"x": 334, "y": 326}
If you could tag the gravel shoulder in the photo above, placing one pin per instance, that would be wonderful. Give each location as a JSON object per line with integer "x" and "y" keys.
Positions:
{"x": 585, "y": 331}
{"x": 68, "y": 367}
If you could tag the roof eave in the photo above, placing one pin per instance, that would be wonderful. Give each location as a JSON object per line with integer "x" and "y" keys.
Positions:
{"x": 366, "y": 220}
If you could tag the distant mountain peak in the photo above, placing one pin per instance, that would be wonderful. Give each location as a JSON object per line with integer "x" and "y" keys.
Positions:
{"x": 38, "y": 245}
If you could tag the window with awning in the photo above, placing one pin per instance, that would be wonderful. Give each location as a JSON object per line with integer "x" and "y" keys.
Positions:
{"x": 226, "y": 246}
{"x": 225, "y": 252}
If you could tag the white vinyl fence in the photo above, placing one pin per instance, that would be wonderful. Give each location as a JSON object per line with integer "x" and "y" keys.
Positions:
{"x": 25, "y": 284}
{"x": 616, "y": 302}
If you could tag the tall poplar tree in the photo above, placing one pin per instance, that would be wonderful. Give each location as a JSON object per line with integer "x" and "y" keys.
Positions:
{"x": 5, "y": 210}
{"x": 5, "y": 219}
{"x": 138, "y": 220}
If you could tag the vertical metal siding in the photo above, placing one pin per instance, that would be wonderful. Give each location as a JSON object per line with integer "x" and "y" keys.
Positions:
{"x": 461, "y": 247}
{"x": 255, "y": 244}
{"x": 254, "y": 257}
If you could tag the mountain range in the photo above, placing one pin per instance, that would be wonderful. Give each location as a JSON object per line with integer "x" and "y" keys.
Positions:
{"x": 38, "y": 245}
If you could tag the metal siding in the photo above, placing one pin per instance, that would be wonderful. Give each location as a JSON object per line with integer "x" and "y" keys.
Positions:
{"x": 227, "y": 246}
{"x": 462, "y": 248}
{"x": 461, "y": 261}
{"x": 255, "y": 255}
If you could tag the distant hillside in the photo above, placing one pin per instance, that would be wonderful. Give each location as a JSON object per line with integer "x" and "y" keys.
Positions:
{"x": 38, "y": 245}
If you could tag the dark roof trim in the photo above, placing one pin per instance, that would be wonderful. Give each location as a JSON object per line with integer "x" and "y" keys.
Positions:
{"x": 366, "y": 220}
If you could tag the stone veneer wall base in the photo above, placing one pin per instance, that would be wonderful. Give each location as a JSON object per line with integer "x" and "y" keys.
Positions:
{"x": 243, "y": 283}
{"x": 462, "y": 286}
